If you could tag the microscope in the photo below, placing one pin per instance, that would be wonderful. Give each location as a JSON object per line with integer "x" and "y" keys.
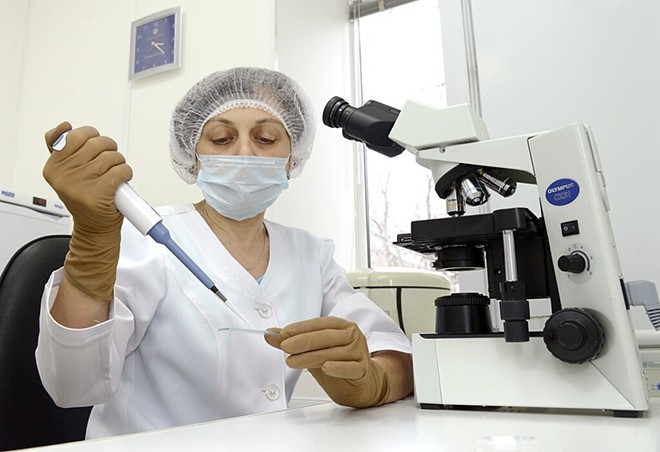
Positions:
{"x": 586, "y": 356}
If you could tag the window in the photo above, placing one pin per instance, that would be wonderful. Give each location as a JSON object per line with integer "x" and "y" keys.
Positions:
{"x": 400, "y": 57}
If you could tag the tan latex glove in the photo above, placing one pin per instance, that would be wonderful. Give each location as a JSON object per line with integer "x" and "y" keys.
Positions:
{"x": 85, "y": 175}
{"x": 336, "y": 354}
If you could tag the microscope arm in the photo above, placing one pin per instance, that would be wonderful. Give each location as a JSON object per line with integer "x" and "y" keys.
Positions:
{"x": 444, "y": 138}
{"x": 510, "y": 156}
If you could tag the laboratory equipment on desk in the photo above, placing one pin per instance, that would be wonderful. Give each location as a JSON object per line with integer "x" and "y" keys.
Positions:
{"x": 405, "y": 294}
{"x": 25, "y": 217}
{"x": 645, "y": 315}
{"x": 644, "y": 305}
{"x": 586, "y": 355}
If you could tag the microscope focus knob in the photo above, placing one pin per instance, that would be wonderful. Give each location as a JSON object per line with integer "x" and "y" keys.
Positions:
{"x": 573, "y": 335}
{"x": 572, "y": 263}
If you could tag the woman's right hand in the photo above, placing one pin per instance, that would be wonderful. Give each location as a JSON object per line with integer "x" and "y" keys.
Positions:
{"x": 85, "y": 174}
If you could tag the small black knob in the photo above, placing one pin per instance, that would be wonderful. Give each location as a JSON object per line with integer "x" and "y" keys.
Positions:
{"x": 573, "y": 335}
{"x": 573, "y": 263}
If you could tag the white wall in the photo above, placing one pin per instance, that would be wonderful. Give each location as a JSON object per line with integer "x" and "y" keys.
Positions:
{"x": 74, "y": 69}
{"x": 312, "y": 47}
{"x": 73, "y": 65}
{"x": 216, "y": 35}
{"x": 542, "y": 64}
{"x": 15, "y": 14}
{"x": 546, "y": 64}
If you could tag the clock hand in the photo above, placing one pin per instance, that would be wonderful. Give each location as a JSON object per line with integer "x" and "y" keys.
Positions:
{"x": 157, "y": 46}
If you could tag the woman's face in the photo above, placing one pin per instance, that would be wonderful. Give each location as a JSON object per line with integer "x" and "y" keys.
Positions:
{"x": 244, "y": 131}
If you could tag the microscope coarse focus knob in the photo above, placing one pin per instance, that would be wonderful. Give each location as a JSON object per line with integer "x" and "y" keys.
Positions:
{"x": 573, "y": 335}
{"x": 572, "y": 263}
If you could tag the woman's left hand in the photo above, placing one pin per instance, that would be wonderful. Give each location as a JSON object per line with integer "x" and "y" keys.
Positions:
{"x": 335, "y": 352}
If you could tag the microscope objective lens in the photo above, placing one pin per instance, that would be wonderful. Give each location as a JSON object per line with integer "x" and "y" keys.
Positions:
{"x": 473, "y": 191}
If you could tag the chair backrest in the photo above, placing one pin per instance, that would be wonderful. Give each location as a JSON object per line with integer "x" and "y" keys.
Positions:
{"x": 28, "y": 416}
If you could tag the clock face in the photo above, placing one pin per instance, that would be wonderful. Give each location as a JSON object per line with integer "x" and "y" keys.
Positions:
{"x": 155, "y": 46}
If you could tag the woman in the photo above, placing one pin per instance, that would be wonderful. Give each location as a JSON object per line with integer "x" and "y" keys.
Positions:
{"x": 132, "y": 333}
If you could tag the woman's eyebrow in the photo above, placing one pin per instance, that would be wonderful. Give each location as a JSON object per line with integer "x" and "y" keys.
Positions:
{"x": 268, "y": 120}
{"x": 258, "y": 121}
{"x": 222, "y": 120}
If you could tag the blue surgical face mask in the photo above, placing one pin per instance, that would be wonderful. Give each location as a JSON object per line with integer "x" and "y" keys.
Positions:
{"x": 241, "y": 187}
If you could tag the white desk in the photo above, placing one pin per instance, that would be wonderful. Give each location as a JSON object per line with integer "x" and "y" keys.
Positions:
{"x": 401, "y": 426}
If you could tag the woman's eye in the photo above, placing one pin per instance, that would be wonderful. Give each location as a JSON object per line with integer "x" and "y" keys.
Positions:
{"x": 222, "y": 140}
{"x": 265, "y": 140}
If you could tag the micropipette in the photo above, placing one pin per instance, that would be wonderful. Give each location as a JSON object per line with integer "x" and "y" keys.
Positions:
{"x": 148, "y": 222}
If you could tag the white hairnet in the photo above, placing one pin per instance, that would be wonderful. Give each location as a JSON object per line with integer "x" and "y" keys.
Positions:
{"x": 242, "y": 87}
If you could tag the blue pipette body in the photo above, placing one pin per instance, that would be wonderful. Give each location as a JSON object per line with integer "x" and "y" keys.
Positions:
{"x": 162, "y": 235}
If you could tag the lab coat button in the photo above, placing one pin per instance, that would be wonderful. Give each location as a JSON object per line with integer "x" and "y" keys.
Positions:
{"x": 272, "y": 392}
{"x": 265, "y": 310}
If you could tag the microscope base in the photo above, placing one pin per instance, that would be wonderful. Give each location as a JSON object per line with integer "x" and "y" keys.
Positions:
{"x": 484, "y": 372}
{"x": 615, "y": 413}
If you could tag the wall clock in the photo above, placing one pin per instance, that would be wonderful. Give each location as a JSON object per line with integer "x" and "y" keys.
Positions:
{"x": 155, "y": 43}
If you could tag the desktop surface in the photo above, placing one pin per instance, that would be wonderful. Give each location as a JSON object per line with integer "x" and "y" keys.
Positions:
{"x": 400, "y": 426}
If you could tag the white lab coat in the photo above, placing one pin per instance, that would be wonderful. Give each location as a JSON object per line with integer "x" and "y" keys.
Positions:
{"x": 161, "y": 361}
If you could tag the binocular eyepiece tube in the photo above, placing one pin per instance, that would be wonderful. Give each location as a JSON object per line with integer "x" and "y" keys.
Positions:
{"x": 369, "y": 124}
{"x": 372, "y": 123}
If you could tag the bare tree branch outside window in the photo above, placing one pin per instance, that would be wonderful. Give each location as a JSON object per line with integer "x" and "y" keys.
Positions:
{"x": 396, "y": 67}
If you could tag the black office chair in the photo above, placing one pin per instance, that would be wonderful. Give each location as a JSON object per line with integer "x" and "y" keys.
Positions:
{"x": 28, "y": 416}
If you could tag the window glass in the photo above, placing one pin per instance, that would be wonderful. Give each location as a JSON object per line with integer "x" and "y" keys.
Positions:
{"x": 400, "y": 58}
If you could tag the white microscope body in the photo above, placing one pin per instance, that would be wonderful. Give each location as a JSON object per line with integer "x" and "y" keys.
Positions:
{"x": 485, "y": 370}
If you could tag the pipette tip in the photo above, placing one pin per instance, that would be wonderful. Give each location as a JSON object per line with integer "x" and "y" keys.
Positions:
{"x": 218, "y": 293}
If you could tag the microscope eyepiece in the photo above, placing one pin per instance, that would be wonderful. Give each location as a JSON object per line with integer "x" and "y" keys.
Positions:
{"x": 333, "y": 111}
{"x": 369, "y": 124}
